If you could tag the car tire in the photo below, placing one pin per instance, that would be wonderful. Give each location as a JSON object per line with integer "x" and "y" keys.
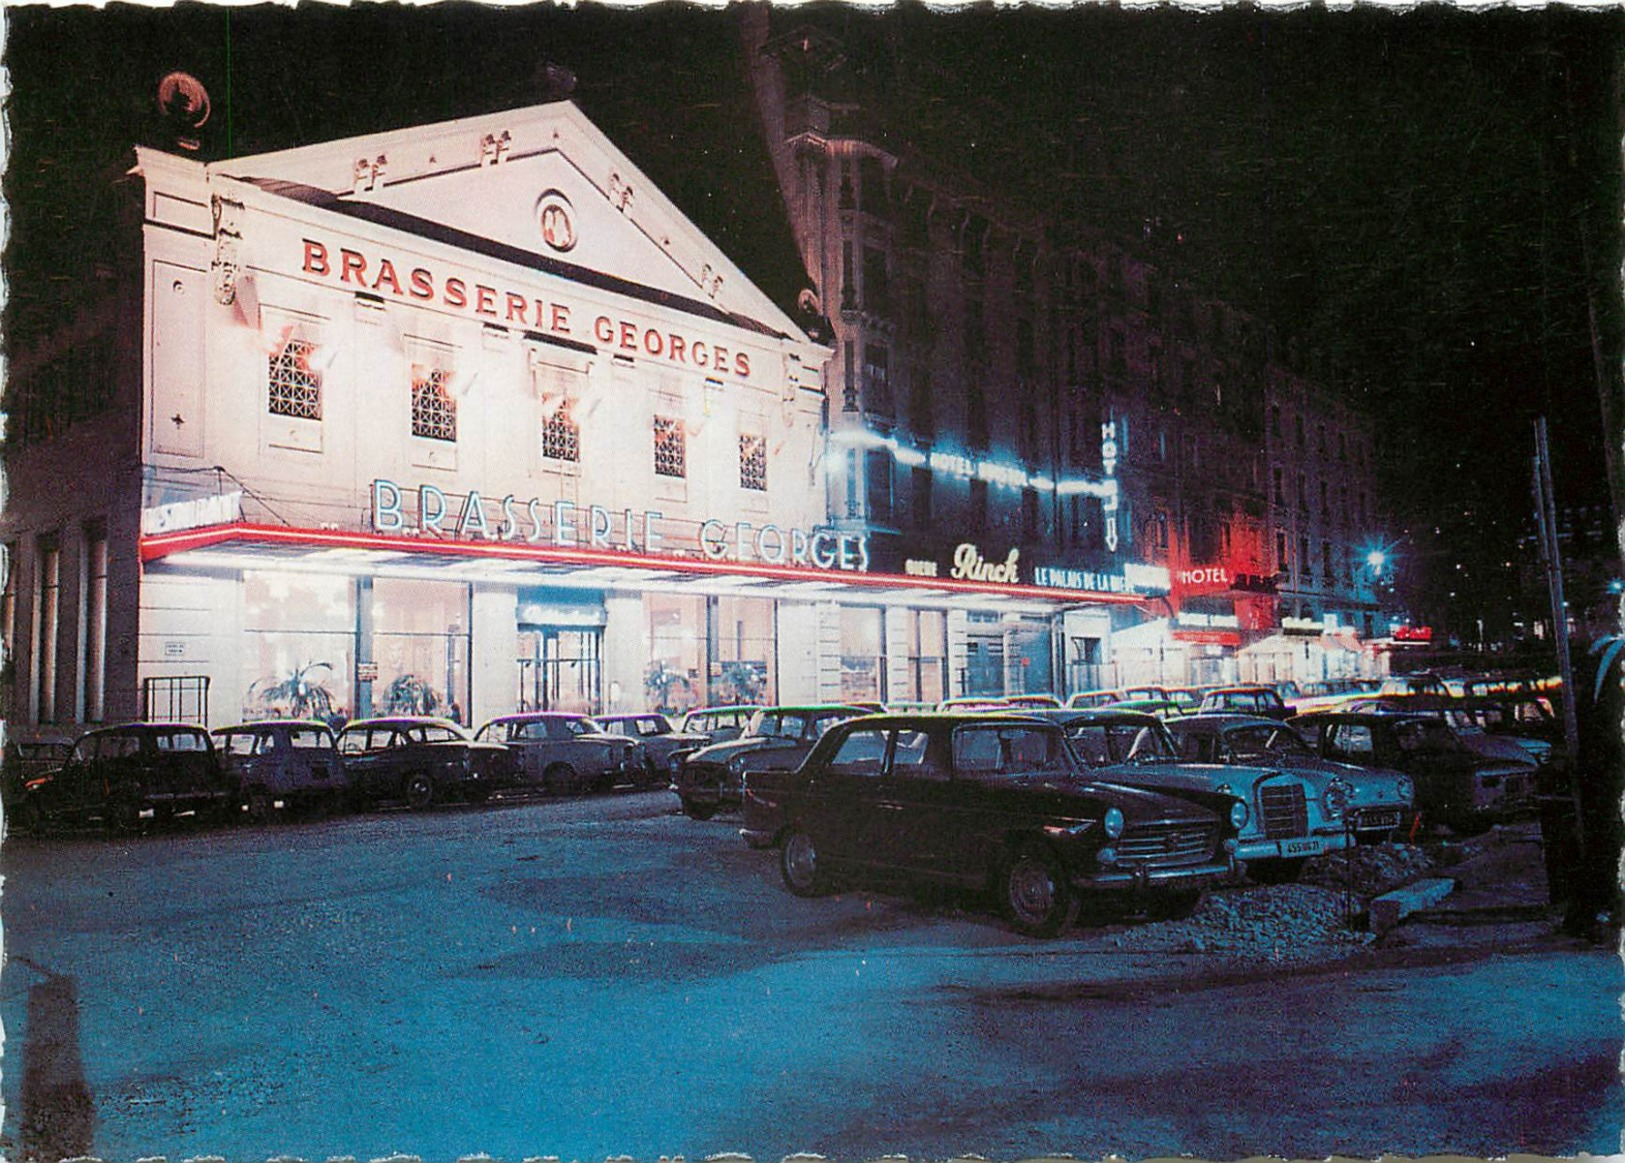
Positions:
{"x": 124, "y": 817}
{"x": 699, "y": 809}
{"x": 27, "y": 819}
{"x": 419, "y": 791}
{"x": 1276, "y": 871}
{"x": 1034, "y": 893}
{"x": 258, "y": 806}
{"x": 559, "y": 779}
{"x": 801, "y": 866}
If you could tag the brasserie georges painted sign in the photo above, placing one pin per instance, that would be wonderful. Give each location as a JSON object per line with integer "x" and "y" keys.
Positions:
{"x": 430, "y": 511}
{"x": 383, "y": 277}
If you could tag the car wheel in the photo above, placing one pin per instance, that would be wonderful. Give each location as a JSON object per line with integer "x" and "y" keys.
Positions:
{"x": 559, "y": 779}
{"x": 27, "y": 819}
{"x": 419, "y": 791}
{"x": 124, "y": 817}
{"x": 258, "y": 806}
{"x": 801, "y": 866}
{"x": 1276, "y": 871}
{"x": 1036, "y": 896}
{"x": 699, "y": 809}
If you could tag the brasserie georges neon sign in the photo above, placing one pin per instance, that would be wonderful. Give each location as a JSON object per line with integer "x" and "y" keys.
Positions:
{"x": 430, "y": 511}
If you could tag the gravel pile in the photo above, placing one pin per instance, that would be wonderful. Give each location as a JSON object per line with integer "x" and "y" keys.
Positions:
{"x": 1375, "y": 869}
{"x": 1288, "y": 924}
{"x": 1285, "y": 923}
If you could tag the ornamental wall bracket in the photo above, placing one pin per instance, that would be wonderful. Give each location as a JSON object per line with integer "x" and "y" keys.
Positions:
{"x": 228, "y": 238}
{"x": 710, "y": 281}
{"x": 367, "y": 172}
{"x": 494, "y": 148}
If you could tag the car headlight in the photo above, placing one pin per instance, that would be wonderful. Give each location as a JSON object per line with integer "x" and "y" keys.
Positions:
{"x": 1112, "y": 821}
{"x": 1238, "y": 814}
{"x": 1405, "y": 789}
{"x": 1335, "y": 800}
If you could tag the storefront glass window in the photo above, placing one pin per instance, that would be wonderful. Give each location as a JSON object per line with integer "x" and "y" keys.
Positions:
{"x": 744, "y": 652}
{"x": 674, "y": 678}
{"x": 860, "y": 655}
{"x": 299, "y": 646}
{"x": 421, "y": 644}
{"x": 928, "y": 655}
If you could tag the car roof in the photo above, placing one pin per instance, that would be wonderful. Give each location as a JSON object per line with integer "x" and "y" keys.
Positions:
{"x": 145, "y": 725}
{"x": 726, "y": 707}
{"x": 402, "y": 721}
{"x": 1107, "y": 714}
{"x": 532, "y": 716}
{"x": 259, "y": 724}
{"x": 1222, "y": 722}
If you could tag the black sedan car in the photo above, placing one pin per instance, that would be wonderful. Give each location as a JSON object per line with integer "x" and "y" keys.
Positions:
{"x": 130, "y": 776}
{"x": 417, "y": 760}
{"x": 1455, "y": 786}
{"x": 778, "y": 737}
{"x": 989, "y": 802}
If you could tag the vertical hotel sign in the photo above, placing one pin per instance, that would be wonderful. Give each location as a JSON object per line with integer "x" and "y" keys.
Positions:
{"x": 1108, "y": 462}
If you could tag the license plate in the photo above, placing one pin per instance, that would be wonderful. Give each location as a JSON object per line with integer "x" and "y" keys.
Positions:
{"x": 1380, "y": 819}
{"x": 1300, "y": 847}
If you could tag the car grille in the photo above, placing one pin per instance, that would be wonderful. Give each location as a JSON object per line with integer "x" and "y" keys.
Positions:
{"x": 1283, "y": 811}
{"x": 1167, "y": 843}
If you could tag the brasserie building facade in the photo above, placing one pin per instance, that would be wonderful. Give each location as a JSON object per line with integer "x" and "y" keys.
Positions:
{"x": 468, "y": 418}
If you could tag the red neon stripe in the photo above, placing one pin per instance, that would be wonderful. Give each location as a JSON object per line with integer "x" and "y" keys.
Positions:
{"x": 154, "y": 547}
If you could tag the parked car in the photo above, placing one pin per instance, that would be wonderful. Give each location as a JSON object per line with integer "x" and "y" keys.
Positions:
{"x": 1245, "y": 700}
{"x": 1041, "y": 701}
{"x": 1291, "y": 815}
{"x": 27, "y": 759}
{"x": 1081, "y": 699}
{"x": 966, "y": 704}
{"x": 990, "y": 802}
{"x": 1379, "y": 801}
{"x": 562, "y": 753}
{"x": 781, "y": 737}
{"x": 418, "y": 760}
{"x": 283, "y": 765}
{"x": 1465, "y": 717}
{"x": 719, "y": 724}
{"x": 664, "y": 746}
{"x": 1454, "y": 786}
{"x": 131, "y": 775}
{"x": 1161, "y": 708}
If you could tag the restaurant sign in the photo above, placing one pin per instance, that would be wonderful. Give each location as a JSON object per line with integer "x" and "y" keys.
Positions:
{"x": 428, "y": 510}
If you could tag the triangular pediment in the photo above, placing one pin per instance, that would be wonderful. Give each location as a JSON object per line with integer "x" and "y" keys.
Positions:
{"x": 542, "y": 180}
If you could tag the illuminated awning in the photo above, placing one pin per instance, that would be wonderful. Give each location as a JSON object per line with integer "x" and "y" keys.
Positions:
{"x": 240, "y": 546}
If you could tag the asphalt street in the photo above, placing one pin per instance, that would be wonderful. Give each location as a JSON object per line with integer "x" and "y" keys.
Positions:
{"x": 602, "y": 976}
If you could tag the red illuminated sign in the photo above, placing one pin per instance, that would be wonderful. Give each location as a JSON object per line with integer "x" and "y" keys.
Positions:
{"x": 1413, "y": 633}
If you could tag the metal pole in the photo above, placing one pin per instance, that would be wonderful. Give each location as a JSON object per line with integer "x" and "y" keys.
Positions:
{"x": 1551, "y": 553}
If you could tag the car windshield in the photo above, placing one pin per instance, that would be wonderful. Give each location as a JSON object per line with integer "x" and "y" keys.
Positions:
{"x": 1267, "y": 743}
{"x": 1425, "y": 735}
{"x": 994, "y": 751}
{"x": 1098, "y": 744}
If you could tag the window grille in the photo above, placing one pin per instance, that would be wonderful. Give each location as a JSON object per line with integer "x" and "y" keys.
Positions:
{"x": 434, "y": 412}
{"x": 753, "y": 462}
{"x": 296, "y": 387}
{"x": 561, "y": 435}
{"x": 670, "y": 448}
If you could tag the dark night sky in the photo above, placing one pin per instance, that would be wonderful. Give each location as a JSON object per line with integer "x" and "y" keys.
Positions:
{"x": 1423, "y": 204}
